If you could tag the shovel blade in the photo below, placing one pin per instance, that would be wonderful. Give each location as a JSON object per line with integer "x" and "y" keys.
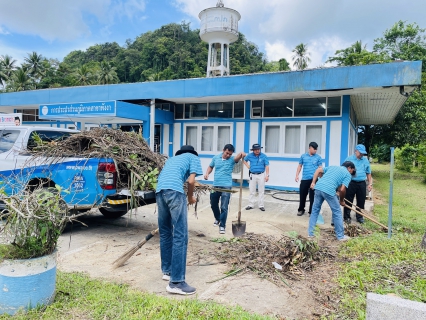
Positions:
{"x": 238, "y": 228}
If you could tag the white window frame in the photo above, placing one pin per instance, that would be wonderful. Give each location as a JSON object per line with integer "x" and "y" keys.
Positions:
{"x": 215, "y": 126}
{"x": 303, "y": 125}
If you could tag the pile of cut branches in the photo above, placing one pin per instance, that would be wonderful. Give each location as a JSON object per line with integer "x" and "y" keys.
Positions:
{"x": 135, "y": 162}
{"x": 256, "y": 253}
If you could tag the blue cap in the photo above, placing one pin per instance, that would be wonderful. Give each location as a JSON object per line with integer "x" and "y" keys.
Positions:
{"x": 361, "y": 149}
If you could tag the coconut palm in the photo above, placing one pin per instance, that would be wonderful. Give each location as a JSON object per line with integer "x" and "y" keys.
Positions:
{"x": 8, "y": 64}
{"x": 20, "y": 79}
{"x": 107, "y": 74}
{"x": 83, "y": 76}
{"x": 35, "y": 65}
{"x": 301, "y": 56}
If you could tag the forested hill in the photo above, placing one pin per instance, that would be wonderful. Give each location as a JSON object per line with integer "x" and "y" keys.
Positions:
{"x": 172, "y": 52}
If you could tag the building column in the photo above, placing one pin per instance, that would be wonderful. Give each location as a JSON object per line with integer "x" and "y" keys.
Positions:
{"x": 152, "y": 125}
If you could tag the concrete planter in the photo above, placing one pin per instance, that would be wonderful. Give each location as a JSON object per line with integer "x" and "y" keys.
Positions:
{"x": 25, "y": 284}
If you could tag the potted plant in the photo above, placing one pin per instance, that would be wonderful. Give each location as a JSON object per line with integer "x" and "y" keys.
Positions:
{"x": 30, "y": 227}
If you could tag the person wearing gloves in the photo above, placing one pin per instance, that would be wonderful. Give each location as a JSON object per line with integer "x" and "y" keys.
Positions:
{"x": 259, "y": 174}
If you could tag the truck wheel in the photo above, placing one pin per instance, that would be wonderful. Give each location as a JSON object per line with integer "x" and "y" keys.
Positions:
{"x": 112, "y": 214}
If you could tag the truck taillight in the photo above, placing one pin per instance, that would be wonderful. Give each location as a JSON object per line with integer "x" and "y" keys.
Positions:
{"x": 107, "y": 175}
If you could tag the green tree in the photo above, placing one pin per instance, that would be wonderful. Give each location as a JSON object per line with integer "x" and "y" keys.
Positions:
{"x": 83, "y": 76}
{"x": 21, "y": 80}
{"x": 36, "y": 65}
{"x": 301, "y": 56}
{"x": 8, "y": 66}
{"x": 283, "y": 65}
{"x": 356, "y": 54}
{"x": 403, "y": 41}
{"x": 106, "y": 73}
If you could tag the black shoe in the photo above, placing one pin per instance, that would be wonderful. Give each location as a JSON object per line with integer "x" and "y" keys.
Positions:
{"x": 300, "y": 213}
{"x": 249, "y": 208}
{"x": 348, "y": 221}
{"x": 332, "y": 224}
{"x": 360, "y": 221}
{"x": 262, "y": 209}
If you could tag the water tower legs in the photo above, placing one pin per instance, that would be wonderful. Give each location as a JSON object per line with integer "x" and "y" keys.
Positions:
{"x": 218, "y": 59}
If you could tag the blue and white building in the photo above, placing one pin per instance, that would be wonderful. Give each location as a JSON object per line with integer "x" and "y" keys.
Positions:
{"x": 282, "y": 111}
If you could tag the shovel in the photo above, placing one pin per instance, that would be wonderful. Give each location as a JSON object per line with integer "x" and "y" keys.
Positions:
{"x": 239, "y": 227}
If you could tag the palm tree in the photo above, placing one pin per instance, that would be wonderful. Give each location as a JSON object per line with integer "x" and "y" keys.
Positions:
{"x": 107, "y": 74}
{"x": 9, "y": 65}
{"x": 3, "y": 77}
{"x": 35, "y": 65}
{"x": 20, "y": 79}
{"x": 301, "y": 56}
{"x": 83, "y": 76}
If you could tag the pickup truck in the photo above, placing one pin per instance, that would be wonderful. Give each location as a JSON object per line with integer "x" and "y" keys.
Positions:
{"x": 87, "y": 182}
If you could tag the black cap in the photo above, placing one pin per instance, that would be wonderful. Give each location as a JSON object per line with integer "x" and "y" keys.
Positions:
{"x": 256, "y": 146}
{"x": 186, "y": 149}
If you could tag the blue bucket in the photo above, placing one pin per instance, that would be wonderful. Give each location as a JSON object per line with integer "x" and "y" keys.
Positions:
{"x": 26, "y": 284}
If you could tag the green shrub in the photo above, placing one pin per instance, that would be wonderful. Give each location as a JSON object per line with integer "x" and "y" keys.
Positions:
{"x": 405, "y": 158}
{"x": 381, "y": 153}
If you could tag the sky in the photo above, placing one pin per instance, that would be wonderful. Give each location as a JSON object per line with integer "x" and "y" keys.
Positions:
{"x": 54, "y": 28}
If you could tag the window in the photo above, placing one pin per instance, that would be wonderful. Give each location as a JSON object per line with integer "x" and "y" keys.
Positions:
{"x": 256, "y": 108}
{"x": 333, "y": 106}
{"x": 238, "y": 109}
{"x": 213, "y": 137}
{"x": 278, "y": 108}
{"x": 292, "y": 138}
{"x": 163, "y": 106}
{"x": 220, "y": 110}
{"x": 224, "y": 134}
{"x": 313, "y": 132}
{"x": 46, "y": 136}
{"x": 179, "y": 111}
{"x": 207, "y": 138}
{"x": 191, "y": 136}
{"x": 272, "y": 143}
{"x": 310, "y": 107}
{"x": 8, "y": 139}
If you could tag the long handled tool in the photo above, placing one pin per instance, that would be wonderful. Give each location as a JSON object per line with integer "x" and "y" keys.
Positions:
{"x": 239, "y": 227}
{"x": 358, "y": 210}
{"x": 127, "y": 255}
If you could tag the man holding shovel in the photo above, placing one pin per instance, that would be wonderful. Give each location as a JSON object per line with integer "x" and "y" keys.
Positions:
{"x": 357, "y": 187}
{"x": 173, "y": 216}
{"x": 223, "y": 164}
{"x": 333, "y": 178}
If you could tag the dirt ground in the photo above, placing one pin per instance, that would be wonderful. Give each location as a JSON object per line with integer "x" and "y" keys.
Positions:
{"x": 92, "y": 249}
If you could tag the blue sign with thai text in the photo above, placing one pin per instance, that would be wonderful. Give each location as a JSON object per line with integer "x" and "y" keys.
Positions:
{"x": 77, "y": 110}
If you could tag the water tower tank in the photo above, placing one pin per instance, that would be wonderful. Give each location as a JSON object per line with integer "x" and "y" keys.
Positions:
{"x": 219, "y": 27}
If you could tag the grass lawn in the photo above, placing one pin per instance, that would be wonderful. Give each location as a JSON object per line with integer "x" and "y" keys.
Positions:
{"x": 382, "y": 265}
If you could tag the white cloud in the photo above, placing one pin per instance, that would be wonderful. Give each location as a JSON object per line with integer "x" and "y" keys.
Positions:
{"x": 3, "y": 31}
{"x": 63, "y": 20}
{"x": 277, "y": 50}
{"x": 324, "y": 26}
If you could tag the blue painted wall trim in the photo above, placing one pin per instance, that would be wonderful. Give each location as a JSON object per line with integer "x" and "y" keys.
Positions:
{"x": 346, "y": 107}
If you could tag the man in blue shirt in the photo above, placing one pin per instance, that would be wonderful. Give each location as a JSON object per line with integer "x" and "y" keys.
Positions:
{"x": 223, "y": 164}
{"x": 259, "y": 174}
{"x": 173, "y": 215}
{"x": 333, "y": 178}
{"x": 310, "y": 161}
{"x": 357, "y": 186}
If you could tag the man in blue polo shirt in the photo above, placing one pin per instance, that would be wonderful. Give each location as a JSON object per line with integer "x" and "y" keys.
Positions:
{"x": 333, "y": 178}
{"x": 259, "y": 174}
{"x": 357, "y": 186}
{"x": 173, "y": 215}
{"x": 223, "y": 164}
{"x": 310, "y": 161}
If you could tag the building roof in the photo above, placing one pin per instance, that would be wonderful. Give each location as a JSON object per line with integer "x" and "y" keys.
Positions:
{"x": 377, "y": 91}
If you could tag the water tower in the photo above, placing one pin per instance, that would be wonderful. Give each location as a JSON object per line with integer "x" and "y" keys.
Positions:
{"x": 219, "y": 27}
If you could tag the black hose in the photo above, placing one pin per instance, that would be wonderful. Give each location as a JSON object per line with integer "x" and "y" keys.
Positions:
{"x": 286, "y": 192}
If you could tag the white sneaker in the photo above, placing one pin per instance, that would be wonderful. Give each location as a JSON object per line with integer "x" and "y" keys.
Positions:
{"x": 221, "y": 230}
{"x": 216, "y": 223}
{"x": 166, "y": 277}
{"x": 345, "y": 238}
